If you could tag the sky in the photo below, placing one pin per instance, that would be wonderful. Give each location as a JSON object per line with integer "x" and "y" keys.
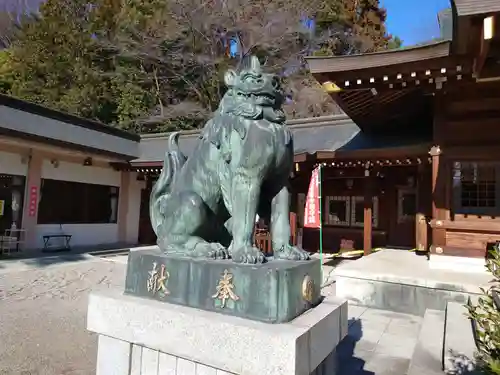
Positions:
{"x": 413, "y": 21}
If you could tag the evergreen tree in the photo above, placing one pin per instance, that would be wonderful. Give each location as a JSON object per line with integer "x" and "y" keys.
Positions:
{"x": 351, "y": 26}
{"x": 395, "y": 43}
{"x": 6, "y": 73}
{"x": 58, "y": 62}
{"x": 366, "y": 18}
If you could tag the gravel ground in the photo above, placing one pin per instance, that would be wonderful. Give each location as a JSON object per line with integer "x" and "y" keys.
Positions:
{"x": 43, "y": 316}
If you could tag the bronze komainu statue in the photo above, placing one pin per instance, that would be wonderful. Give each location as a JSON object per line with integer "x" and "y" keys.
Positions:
{"x": 205, "y": 205}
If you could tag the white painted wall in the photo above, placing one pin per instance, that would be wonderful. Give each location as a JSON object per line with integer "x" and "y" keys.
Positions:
{"x": 82, "y": 234}
{"x": 80, "y": 173}
{"x": 11, "y": 163}
{"x": 134, "y": 207}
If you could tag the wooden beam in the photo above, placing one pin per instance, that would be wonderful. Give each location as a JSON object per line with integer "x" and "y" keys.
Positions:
{"x": 479, "y": 224}
{"x": 435, "y": 155}
{"x": 459, "y": 251}
{"x": 438, "y": 234}
{"x": 484, "y": 152}
{"x": 299, "y": 158}
{"x": 474, "y": 116}
{"x": 384, "y": 153}
{"x": 322, "y": 155}
{"x": 473, "y": 104}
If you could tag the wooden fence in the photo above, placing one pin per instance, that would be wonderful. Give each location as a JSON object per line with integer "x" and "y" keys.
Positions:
{"x": 262, "y": 237}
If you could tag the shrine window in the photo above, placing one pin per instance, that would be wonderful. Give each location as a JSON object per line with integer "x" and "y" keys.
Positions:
{"x": 348, "y": 211}
{"x": 475, "y": 188}
{"x": 337, "y": 210}
{"x": 358, "y": 212}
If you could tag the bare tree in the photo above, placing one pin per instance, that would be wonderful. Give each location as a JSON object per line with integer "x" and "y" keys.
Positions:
{"x": 185, "y": 45}
{"x": 12, "y": 13}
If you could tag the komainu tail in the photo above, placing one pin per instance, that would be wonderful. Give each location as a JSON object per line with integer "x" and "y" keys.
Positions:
{"x": 174, "y": 160}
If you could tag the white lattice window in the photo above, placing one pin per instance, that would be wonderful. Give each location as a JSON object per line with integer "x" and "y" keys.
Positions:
{"x": 475, "y": 188}
{"x": 337, "y": 209}
{"x": 358, "y": 211}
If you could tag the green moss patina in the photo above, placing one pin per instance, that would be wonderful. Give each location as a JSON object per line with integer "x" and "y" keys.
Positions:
{"x": 205, "y": 206}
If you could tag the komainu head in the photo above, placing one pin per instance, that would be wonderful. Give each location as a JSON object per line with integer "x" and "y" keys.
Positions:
{"x": 254, "y": 94}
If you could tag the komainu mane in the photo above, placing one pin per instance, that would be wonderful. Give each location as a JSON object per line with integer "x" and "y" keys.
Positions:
{"x": 205, "y": 205}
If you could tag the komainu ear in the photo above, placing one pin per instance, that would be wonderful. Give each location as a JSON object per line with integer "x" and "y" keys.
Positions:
{"x": 229, "y": 78}
{"x": 255, "y": 64}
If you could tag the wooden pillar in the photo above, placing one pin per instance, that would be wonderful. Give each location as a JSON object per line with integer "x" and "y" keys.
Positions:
{"x": 438, "y": 193}
{"x": 435, "y": 153}
{"x": 368, "y": 204}
{"x": 423, "y": 186}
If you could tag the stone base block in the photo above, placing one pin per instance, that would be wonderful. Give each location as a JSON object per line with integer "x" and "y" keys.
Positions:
{"x": 396, "y": 296}
{"x": 145, "y": 337}
{"x": 402, "y": 281}
{"x": 274, "y": 292}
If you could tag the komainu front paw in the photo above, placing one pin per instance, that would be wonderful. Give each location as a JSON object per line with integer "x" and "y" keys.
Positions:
{"x": 291, "y": 253}
{"x": 248, "y": 254}
{"x": 212, "y": 251}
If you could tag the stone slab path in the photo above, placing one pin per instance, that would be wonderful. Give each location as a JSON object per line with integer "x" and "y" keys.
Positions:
{"x": 378, "y": 342}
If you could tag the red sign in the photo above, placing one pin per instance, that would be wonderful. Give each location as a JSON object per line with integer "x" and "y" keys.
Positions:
{"x": 33, "y": 201}
{"x": 312, "y": 212}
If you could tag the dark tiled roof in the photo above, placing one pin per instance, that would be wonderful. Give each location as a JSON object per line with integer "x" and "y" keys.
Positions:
{"x": 328, "y": 133}
{"x": 153, "y": 146}
{"x": 36, "y": 109}
{"x": 27, "y": 121}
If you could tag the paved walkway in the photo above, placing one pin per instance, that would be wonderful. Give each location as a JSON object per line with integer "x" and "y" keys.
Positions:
{"x": 379, "y": 342}
{"x": 43, "y": 310}
{"x": 40, "y": 296}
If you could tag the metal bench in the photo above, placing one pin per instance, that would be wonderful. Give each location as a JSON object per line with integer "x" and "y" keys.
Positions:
{"x": 62, "y": 245}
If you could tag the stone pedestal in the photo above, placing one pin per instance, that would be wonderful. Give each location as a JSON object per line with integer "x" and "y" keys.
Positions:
{"x": 138, "y": 336}
{"x": 274, "y": 292}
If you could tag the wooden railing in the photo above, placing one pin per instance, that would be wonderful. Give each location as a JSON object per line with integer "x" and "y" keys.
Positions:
{"x": 262, "y": 237}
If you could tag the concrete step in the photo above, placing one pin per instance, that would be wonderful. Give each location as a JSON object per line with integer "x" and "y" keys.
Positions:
{"x": 428, "y": 353}
{"x": 459, "y": 345}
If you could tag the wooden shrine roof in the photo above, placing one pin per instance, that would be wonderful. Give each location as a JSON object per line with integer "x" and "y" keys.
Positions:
{"x": 353, "y": 63}
{"x": 394, "y": 88}
{"x": 330, "y": 136}
{"x": 476, "y": 7}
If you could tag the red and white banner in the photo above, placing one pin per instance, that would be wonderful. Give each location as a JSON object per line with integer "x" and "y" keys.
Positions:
{"x": 312, "y": 215}
{"x": 33, "y": 200}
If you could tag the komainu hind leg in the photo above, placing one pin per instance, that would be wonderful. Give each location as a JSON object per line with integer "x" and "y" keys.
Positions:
{"x": 185, "y": 219}
{"x": 280, "y": 228}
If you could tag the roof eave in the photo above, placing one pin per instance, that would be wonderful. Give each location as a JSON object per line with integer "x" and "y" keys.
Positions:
{"x": 340, "y": 64}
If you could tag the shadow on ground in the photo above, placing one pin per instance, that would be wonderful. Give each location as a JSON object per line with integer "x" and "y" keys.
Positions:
{"x": 334, "y": 262}
{"x": 348, "y": 361}
{"x": 77, "y": 254}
